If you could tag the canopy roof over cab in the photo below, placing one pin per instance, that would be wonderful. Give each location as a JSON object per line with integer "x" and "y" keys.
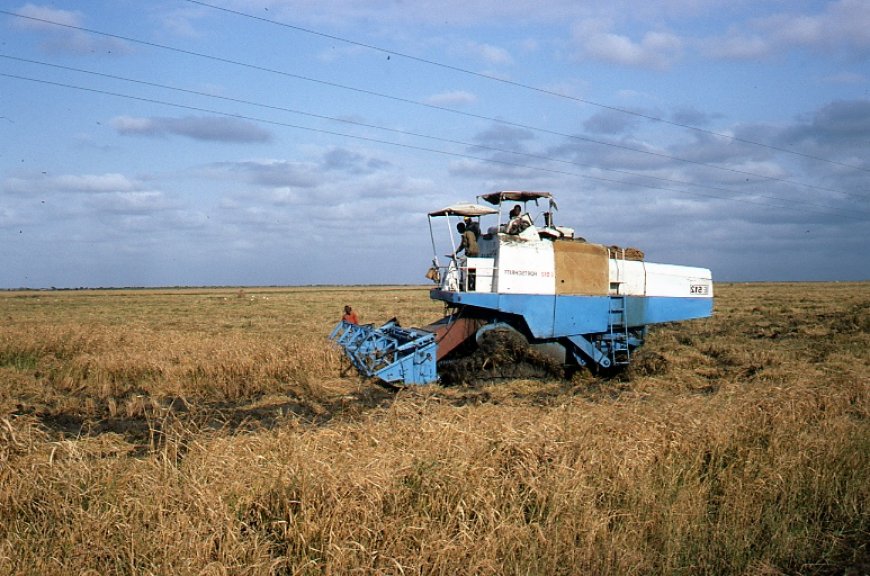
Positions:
{"x": 514, "y": 196}
{"x": 464, "y": 209}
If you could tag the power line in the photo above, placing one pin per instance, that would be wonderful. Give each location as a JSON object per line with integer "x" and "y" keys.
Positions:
{"x": 848, "y": 214}
{"x": 525, "y": 86}
{"x": 427, "y": 105}
{"x": 388, "y": 129}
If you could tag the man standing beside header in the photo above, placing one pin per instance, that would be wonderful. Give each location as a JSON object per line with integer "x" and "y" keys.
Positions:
{"x": 350, "y": 316}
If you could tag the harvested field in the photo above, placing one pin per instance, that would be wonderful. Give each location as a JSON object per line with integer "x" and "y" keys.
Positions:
{"x": 212, "y": 432}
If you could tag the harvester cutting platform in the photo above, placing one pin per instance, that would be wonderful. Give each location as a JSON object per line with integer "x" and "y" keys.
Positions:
{"x": 532, "y": 295}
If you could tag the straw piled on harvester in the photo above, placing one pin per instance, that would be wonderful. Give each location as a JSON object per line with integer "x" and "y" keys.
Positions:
{"x": 625, "y": 253}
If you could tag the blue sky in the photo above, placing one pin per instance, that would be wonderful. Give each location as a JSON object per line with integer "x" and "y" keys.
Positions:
{"x": 281, "y": 142}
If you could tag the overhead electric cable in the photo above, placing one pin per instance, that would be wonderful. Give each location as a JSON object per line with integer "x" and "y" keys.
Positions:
{"x": 393, "y": 130}
{"x": 848, "y": 214}
{"x": 423, "y": 104}
{"x": 524, "y": 86}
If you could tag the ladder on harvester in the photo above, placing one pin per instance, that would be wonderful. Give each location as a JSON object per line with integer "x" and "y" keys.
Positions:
{"x": 617, "y": 337}
{"x": 617, "y": 332}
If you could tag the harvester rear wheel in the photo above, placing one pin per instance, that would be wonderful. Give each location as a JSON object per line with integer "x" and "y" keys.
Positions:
{"x": 502, "y": 354}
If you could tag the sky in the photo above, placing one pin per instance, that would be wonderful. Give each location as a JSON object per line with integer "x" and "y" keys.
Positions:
{"x": 294, "y": 142}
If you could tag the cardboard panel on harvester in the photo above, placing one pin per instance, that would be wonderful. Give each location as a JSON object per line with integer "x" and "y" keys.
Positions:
{"x": 581, "y": 268}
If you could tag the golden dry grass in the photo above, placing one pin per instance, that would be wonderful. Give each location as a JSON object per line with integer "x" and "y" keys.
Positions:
{"x": 209, "y": 432}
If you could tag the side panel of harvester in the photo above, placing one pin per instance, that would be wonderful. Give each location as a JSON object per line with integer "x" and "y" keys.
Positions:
{"x": 576, "y": 294}
{"x": 546, "y": 316}
{"x": 656, "y": 293}
{"x": 550, "y": 316}
{"x": 565, "y": 287}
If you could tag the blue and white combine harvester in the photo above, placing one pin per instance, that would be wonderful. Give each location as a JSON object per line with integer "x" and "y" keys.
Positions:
{"x": 570, "y": 303}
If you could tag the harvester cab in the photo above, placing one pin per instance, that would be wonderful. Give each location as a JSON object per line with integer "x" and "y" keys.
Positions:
{"x": 521, "y": 223}
{"x": 533, "y": 295}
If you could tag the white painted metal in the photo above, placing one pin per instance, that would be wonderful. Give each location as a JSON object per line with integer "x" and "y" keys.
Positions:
{"x": 627, "y": 277}
{"x": 525, "y": 265}
{"x": 634, "y": 278}
{"x": 483, "y": 268}
{"x": 678, "y": 281}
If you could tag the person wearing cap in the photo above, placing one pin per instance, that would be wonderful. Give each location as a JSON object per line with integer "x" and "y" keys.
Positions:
{"x": 468, "y": 244}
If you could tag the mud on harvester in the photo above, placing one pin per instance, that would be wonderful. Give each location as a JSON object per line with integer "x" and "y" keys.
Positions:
{"x": 536, "y": 300}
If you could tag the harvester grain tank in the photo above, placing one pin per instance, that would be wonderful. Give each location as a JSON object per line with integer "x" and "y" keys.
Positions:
{"x": 569, "y": 301}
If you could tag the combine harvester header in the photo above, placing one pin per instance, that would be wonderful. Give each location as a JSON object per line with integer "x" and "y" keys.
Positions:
{"x": 571, "y": 302}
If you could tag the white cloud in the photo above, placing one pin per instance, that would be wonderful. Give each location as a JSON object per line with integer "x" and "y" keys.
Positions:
{"x": 847, "y": 78}
{"x": 65, "y": 17}
{"x": 610, "y": 122}
{"x": 338, "y": 159}
{"x": 94, "y": 183}
{"x": 504, "y": 136}
{"x": 461, "y": 13}
{"x": 798, "y": 29}
{"x": 266, "y": 173}
{"x": 76, "y": 183}
{"x": 452, "y": 98}
{"x": 841, "y": 26}
{"x": 338, "y": 52}
{"x": 593, "y": 39}
{"x": 488, "y": 53}
{"x": 128, "y": 125}
{"x": 58, "y": 28}
{"x": 530, "y": 45}
{"x": 839, "y": 123}
{"x": 180, "y": 22}
{"x": 208, "y": 128}
{"x": 737, "y": 47}
{"x": 494, "y": 54}
{"x": 454, "y": 12}
{"x": 139, "y": 202}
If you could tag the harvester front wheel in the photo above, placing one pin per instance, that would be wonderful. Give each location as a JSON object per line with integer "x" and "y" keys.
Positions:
{"x": 502, "y": 354}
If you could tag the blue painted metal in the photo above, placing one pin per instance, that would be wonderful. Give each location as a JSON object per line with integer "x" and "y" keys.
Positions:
{"x": 589, "y": 350}
{"x": 580, "y": 315}
{"x": 602, "y": 329}
{"x": 644, "y": 310}
{"x": 551, "y": 316}
{"x": 390, "y": 353}
{"x": 478, "y": 299}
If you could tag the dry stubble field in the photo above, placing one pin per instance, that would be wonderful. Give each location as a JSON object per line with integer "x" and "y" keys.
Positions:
{"x": 211, "y": 432}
